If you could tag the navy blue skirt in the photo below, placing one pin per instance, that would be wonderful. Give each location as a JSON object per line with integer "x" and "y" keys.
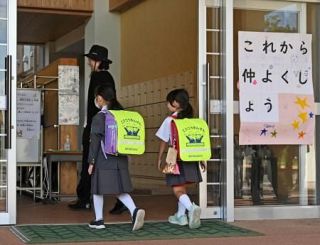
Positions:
{"x": 189, "y": 173}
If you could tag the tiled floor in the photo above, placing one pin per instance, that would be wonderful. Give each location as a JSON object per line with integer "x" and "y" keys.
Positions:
{"x": 282, "y": 232}
{"x": 30, "y": 212}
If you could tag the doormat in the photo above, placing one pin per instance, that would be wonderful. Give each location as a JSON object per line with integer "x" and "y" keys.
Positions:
{"x": 33, "y": 234}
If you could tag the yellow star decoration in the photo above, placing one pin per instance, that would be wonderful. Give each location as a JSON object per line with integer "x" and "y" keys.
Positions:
{"x": 274, "y": 134}
{"x": 301, "y": 134}
{"x": 303, "y": 116}
{"x": 302, "y": 102}
{"x": 295, "y": 124}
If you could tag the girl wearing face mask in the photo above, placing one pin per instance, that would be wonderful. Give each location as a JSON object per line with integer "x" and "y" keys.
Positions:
{"x": 98, "y": 61}
{"x": 109, "y": 173}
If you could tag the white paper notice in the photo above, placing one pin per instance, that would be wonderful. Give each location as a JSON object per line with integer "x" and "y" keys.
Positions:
{"x": 28, "y": 113}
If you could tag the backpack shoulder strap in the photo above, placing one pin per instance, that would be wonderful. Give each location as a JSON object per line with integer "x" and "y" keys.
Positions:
{"x": 174, "y": 133}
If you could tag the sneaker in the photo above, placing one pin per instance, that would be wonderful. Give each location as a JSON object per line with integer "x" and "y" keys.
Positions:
{"x": 80, "y": 205}
{"x": 118, "y": 208}
{"x": 138, "y": 219}
{"x": 174, "y": 219}
{"x": 99, "y": 224}
{"x": 194, "y": 217}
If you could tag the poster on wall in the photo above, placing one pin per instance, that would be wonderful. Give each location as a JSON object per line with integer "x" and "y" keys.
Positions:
{"x": 68, "y": 109}
{"x": 276, "y": 88}
{"x": 28, "y": 114}
{"x": 68, "y": 84}
{"x": 68, "y": 79}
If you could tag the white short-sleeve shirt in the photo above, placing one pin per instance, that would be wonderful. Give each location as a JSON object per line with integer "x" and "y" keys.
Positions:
{"x": 164, "y": 132}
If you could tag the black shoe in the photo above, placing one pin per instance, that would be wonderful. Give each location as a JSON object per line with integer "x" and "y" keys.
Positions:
{"x": 80, "y": 205}
{"x": 138, "y": 219}
{"x": 118, "y": 208}
{"x": 97, "y": 224}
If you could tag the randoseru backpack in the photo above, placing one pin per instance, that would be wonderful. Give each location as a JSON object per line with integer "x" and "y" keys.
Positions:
{"x": 124, "y": 132}
{"x": 191, "y": 139}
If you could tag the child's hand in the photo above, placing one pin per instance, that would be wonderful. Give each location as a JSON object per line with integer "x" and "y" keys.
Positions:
{"x": 203, "y": 166}
{"x": 90, "y": 169}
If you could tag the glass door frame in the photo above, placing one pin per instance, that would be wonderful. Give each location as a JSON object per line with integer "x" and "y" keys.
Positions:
{"x": 9, "y": 216}
{"x": 226, "y": 209}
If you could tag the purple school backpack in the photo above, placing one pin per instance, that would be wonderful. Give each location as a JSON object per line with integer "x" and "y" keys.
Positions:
{"x": 110, "y": 135}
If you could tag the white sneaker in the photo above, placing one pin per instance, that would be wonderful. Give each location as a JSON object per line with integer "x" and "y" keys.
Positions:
{"x": 194, "y": 217}
{"x": 138, "y": 219}
{"x": 174, "y": 219}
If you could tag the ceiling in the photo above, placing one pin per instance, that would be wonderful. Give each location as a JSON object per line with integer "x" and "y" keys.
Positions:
{"x": 41, "y": 27}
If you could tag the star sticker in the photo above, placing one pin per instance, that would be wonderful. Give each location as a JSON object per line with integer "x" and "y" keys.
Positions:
{"x": 274, "y": 134}
{"x": 311, "y": 114}
{"x": 303, "y": 116}
{"x": 302, "y": 102}
{"x": 295, "y": 124}
{"x": 301, "y": 134}
{"x": 263, "y": 132}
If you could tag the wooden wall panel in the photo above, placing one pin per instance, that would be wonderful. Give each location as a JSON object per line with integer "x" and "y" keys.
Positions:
{"x": 158, "y": 38}
{"x": 154, "y": 110}
{"x": 122, "y": 5}
{"x": 69, "y": 5}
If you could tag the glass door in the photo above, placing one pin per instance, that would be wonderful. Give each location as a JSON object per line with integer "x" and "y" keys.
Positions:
{"x": 272, "y": 176}
{"x": 8, "y": 42}
{"x": 211, "y": 99}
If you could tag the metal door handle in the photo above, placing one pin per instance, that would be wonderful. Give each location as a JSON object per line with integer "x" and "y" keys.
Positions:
{"x": 8, "y": 84}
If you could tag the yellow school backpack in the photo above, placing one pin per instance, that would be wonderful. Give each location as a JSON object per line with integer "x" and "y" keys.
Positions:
{"x": 192, "y": 139}
{"x": 124, "y": 132}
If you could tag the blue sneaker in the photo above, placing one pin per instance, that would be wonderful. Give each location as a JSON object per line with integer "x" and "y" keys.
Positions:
{"x": 194, "y": 217}
{"x": 174, "y": 219}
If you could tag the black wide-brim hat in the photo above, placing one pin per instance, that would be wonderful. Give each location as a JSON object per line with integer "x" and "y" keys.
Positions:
{"x": 98, "y": 53}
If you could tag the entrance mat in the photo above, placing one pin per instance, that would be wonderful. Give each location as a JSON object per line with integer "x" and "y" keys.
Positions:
{"x": 122, "y": 232}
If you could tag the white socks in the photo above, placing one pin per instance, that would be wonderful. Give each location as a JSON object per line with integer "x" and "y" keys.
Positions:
{"x": 185, "y": 201}
{"x": 126, "y": 199}
{"x": 181, "y": 209}
{"x": 98, "y": 206}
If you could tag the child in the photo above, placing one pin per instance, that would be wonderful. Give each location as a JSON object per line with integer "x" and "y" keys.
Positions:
{"x": 179, "y": 106}
{"x": 109, "y": 173}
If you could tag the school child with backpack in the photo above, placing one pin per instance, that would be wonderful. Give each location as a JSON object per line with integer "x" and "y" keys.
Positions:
{"x": 109, "y": 173}
{"x": 179, "y": 106}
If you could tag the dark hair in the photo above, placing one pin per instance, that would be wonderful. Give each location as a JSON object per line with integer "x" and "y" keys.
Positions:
{"x": 104, "y": 65}
{"x": 181, "y": 96}
{"x": 109, "y": 94}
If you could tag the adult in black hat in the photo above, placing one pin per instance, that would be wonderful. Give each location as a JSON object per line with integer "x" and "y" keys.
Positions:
{"x": 99, "y": 64}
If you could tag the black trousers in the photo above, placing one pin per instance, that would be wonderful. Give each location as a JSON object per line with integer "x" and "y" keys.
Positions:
{"x": 84, "y": 185}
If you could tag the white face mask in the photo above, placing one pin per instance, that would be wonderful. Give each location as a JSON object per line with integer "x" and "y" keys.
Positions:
{"x": 96, "y": 104}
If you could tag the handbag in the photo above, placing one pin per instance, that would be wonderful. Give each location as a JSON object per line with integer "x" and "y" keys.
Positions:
{"x": 171, "y": 166}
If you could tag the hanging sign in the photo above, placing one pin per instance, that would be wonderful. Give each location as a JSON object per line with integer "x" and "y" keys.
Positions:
{"x": 276, "y": 89}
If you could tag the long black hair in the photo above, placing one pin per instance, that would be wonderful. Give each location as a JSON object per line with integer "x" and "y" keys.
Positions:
{"x": 181, "y": 96}
{"x": 109, "y": 94}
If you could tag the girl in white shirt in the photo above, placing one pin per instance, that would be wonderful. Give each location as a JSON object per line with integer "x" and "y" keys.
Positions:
{"x": 179, "y": 106}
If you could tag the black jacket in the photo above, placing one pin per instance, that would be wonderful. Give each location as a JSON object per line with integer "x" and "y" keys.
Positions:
{"x": 97, "y": 78}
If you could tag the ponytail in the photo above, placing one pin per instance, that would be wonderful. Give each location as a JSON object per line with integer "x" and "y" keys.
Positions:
{"x": 186, "y": 112}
